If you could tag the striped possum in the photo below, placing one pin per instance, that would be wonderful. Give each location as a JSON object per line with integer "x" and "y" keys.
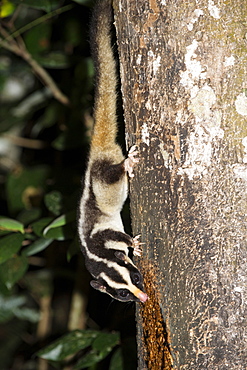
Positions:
{"x": 104, "y": 242}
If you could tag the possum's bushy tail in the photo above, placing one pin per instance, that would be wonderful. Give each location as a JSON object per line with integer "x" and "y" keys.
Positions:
{"x": 105, "y": 119}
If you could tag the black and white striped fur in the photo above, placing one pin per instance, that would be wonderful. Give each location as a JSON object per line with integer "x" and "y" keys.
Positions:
{"x": 104, "y": 243}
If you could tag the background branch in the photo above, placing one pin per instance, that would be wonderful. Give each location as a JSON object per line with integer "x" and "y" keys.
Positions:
{"x": 20, "y": 50}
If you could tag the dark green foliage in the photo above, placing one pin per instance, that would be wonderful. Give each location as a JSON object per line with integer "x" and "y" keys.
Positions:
{"x": 96, "y": 345}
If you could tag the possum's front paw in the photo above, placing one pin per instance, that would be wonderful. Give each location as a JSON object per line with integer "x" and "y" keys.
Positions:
{"x": 131, "y": 160}
{"x": 137, "y": 249}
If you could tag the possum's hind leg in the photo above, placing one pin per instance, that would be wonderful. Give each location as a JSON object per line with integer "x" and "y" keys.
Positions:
{"x": 107, "y": 172}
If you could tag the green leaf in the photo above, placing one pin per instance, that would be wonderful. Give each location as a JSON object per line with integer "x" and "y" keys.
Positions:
{"x": 68, "y": 345}
{"x": 12, "y": 306}
{"x": 39, "y": 283}
{"x": 60, "y": 143}
{"x": 49, "y": 118}
{"x": 37, "y": 40}
{"x": 12, "y": 270}
{"x": 4, "y": 290}
{"x": 101, "y": 347}
{"x": 54, "y": 59}
{"x": 71, "y": 138}
{"x": 83, "y": 2}
{"x": 60, "y": 233}
{"x": 25, "y": 187}
{"x": 73, "y": 32}
{"x": 91, "y": 358}
{"x": 8, "y": 305}
{"x": 117, "y": 360}
{"x": 5, "y": 315}
{"x": 53, "y": 202}
{"x": 29, "y": 215}
{"x": 39, "y": 226}
{"x": 73, "y": 249}
{"x": 46, "y": 5}
{"x": 10, "y": 245}
{"x": 27, "y": 314}
{"x": 60, "y": 228}
{"x": 6, "y": 8}
{"x": 105, "y": 342}
{"x": 4, "y": 232}
{"x": 61, "y": 221}
{"x": 36, "y": 247}
{"x": 11, "y": 225}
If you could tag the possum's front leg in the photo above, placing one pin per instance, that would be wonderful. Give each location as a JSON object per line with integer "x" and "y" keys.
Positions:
{"x": 131, "y": 160}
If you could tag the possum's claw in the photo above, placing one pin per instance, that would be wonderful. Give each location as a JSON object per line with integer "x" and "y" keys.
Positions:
{"x": 131, "y": 160}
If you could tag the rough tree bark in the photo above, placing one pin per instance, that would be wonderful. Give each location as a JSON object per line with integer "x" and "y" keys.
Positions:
{"x": 183, "y": 74}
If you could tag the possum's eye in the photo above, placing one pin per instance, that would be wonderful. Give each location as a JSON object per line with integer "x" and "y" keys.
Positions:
{"x": 136, "y": 278}
{"x": 123, "y": 293}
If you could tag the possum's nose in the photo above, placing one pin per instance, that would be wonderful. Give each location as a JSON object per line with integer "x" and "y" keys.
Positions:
{"x": 142, "y": 296}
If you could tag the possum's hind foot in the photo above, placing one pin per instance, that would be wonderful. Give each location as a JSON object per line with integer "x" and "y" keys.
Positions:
{"x": 131, "y": 160}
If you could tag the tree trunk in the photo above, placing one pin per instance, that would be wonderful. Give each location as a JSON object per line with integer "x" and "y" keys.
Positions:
{"x": 183, "y": 74}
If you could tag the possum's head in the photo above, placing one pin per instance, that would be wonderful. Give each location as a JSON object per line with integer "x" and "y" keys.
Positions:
{"x": 121, "y": 280}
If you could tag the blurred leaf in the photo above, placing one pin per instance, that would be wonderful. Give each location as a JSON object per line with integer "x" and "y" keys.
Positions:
{"x": 31, "y": 103}
{"x": 85, "y": 72}
{"x": 39, "y": 226}
{"x": 24, "y": 187}
{"x": 8, "y": 305}
{"x": 49, "y": 118}
{"x": 91, "y": 358}
{"x": 68, "y": 345}
{"x": 27, "y": 314}
{"x": 4, "y": 232}
{"x": 39, "y": 283}
{"x": 8, "y": 121}
{"x": 10, "y": 341}
{"x": 117, "y": 360}
{"x": 6, "y": 8}
{"x": 61, "y": 142}
{"x": 11, "y": 225}
{"x": 12, "y": 270}
{"x": 73, "y": 249}
{"x": 69, "y": 138}
{"x": 54, "y": 59}
{"x": 84, "y": 2}
{"x": 37, "y": 39}
{"x": 5, "y": 315}
{"x": 9, "y": 245}
{"x": 29, "y": 215}
{"x": 46, "y": 5}
{"x": 12, "y": 306}
{"x": 101, "y": 347}
{"x": 36, "y": 247}
{"x": 73, "y": 31}
{"x": 53, "y": 202}
{"x": 3, "y": 80}
{"x": 105, "y": 342}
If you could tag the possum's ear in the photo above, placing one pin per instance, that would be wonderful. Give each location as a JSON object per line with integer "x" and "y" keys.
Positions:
{"x": 122, "y": 256}
{"x": 96, "y": 285}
